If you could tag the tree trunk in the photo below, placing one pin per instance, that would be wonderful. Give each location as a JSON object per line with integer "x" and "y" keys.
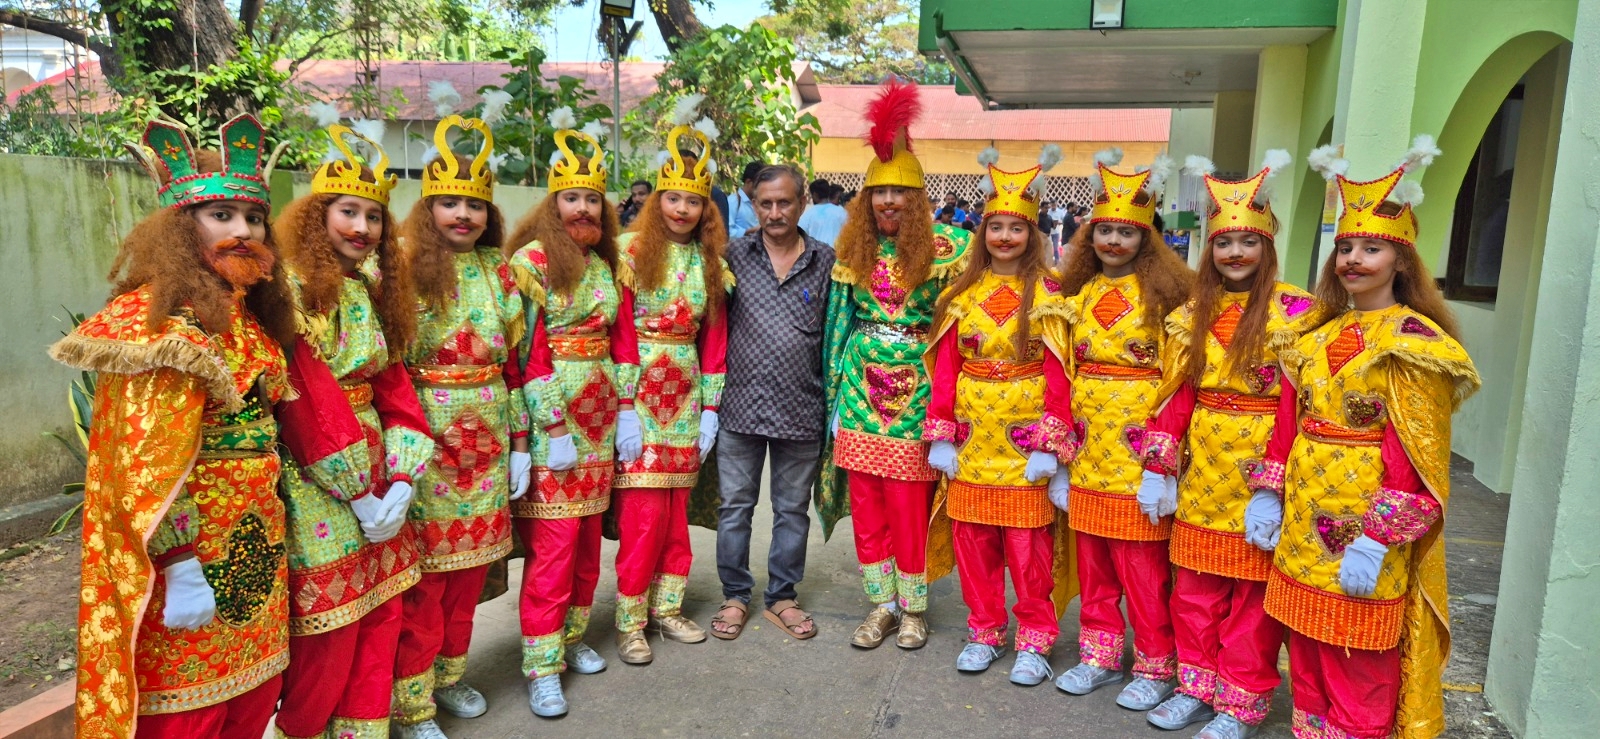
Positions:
{"x": 201, "y": 35}
{"x": 677, "y": 21}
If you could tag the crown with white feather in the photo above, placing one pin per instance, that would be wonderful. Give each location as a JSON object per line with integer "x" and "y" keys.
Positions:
{"x": 1380, "y": 208}
{"x": 1015, "y": 193}
{"x": 679, "y": 167}
{"x": 1242, "y": 205}
{"x": 1128, "y": 198}
{"x": 352, "y": 148}
{"x": 568, "y": 169}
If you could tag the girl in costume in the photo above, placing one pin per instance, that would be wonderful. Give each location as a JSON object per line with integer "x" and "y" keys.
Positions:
{"x": 583, "y": 365}
{"x": 672, "y": 261}
{"x": 1361, "y": 455}
{"x": 993, "y": 376}
{"x": 350, "y": 552}
{"x": 1219, "y": 392}
{"x": 1123, "y": 282}
{"x": 469, "y": 318}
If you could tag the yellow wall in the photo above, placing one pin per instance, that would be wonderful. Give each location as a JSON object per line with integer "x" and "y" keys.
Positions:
{"x": 948, "y": 156}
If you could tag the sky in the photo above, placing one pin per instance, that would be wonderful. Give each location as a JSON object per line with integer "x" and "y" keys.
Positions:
{"x": 571, "y": 37}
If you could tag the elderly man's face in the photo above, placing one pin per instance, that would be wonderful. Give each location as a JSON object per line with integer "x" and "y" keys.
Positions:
{"x": 778, "y": 204}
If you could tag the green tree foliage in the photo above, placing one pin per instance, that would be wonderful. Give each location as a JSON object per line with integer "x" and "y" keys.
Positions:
{"x": 520, "y": 118}
{"x": 746, "y": 77}
{"x": 856, "y": 41}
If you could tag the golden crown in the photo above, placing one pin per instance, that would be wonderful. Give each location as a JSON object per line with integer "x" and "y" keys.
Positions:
{"x": 675, "y": 174}
{"x": 1234, "y": 206}
{"x": 1124, "y": 199}
{"x": 1013, "y": 194}
{"x": 568, "y": 171}
{"x": 890, "y": 116}
{"x": 1360, "y": 217}
{"x": 444, "y": 176}
{"x": 342, "y": 176}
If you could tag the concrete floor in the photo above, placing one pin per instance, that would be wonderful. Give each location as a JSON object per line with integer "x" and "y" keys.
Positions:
{"x": 766, "y": 684}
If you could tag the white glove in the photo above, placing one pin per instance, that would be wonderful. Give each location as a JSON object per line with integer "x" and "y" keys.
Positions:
{"x": 1151, "y": 490}
{"x": 942, "y": 457}
{"x": 370, "y": 510}
{"x": 396, "y": 507}
{"x": 563, "y": 453}
{"x": 708, "y": 432}
{"x": 1169, "y": 497}
{"x": 1358, "y": 570}
{"x": 1263, "y": 520}
{"x": 834, "y": 427}
{"x": 1060, "y": 488}
{"x": 630, "y": 438}
{"x": 521, "y": 470}
{"x": 1040, "y": 466}
{"x": 191, "y": 603}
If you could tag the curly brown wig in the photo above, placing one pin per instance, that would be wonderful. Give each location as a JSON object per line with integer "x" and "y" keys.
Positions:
{"x": 650, "y": 248}
{"x": 1249, "y": 337}
{"x": 310, "y": 253}
{"x": 566, "y": 258}
{"x": 164, "y": 253}
{"x": 433, "y": 266}
{"x": 1164, "y": 279}
{"x": 1413, "y": 287}
{"x": 1034, "y": 266}
{"x": 857, "y": 246}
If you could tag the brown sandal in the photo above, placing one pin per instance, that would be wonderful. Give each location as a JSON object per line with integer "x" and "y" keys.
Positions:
{"x": 738, "y": 626}
{"x": 774, "y": 613}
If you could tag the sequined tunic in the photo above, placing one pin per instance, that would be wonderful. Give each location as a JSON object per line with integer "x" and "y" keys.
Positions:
{"x": 460, "y": 508}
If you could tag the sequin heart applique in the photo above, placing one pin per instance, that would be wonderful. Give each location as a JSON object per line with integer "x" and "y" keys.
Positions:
{"x": 1143, "y": 352}
{"x": 1414, "y": 326}
{"x": 1262, "y": 378}
{"x": 889, "y": 390}
{"x": 886, "y": 289}
{"x": 1362, "y": 411}
{"x": 1133, "y": 436}
{"x": 972, "y": 342}
{"x": 1051, "y": 286}
{"x": 1021, "y": 436}
{"x": 1081, "y": 351}
{"x": 1336, "y": 532}
{"x": 1294, "y": 305}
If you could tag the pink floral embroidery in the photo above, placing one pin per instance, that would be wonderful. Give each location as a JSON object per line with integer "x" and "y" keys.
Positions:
{"x": 441, "y": 489}
{"x": 1267, "y": 475}
{"x": 1034, "y": 640}
{"x": 1309, "y": 725}
{"x": 1398, "y": 517}
{"x": 994, "y": 637}
{"x": 323, "y": 530}
{"x": 1154, "y": 668}
{"x": 497, "y": 341}
{"x": 937, "y": 429}
{"x": 486, "y": 393}
{"x": 441, "y": 396}
{"x": 1161, "y": 452}
{"x": 181, "y": 523}
{"x": 1198, "y": 682}
{"x": 1102, "y": 649}
{"x": 1250, "y": 708}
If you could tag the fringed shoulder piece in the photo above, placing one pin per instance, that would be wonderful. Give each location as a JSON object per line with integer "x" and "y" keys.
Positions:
{"x": 842, "y": 274}
{"x": 1293, "y": 314}
{"x": 528, "y": 269}
{"x": 1408, "y": 336}
{"x": 625, "y": 275}
{"x": 1178, "y": 323}
{"x": 951, "y": 249}
{"x": 117, "y": 341}
{"x": 728, "y": 281}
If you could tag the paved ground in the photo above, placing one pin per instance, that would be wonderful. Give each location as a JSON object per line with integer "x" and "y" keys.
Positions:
{"x": 765, "y": 684}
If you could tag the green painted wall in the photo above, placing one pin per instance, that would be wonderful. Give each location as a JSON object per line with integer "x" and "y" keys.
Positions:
{"x": 1298, "y": 239}
{"x": 65, "y": 220}
{"x": 1057, "y": 15}
{"x": 1542, "y": 657}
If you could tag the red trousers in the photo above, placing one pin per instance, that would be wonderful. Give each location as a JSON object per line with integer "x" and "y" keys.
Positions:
{"x": 561, "y": 571}
{"x": 438, "y": 618}
{"x": 983, "y": 553}
{"x": 653, "y": 555}
{"x": 891, "y": 530}
{"x": 1341, "y": 693}
{"x": 1227, "y": 644}
{"x": 1108, "y": 569}
{"x": 345, "y": 676}
{"x": 241, "y": 717}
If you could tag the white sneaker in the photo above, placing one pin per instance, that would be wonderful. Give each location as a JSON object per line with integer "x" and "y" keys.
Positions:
{"x": 545, "y": 697}
{"x": 584, "y": 660}
{"x": 1226, "y": 727}
{"x": 423, "y": 730}
{"x": 1030, "y": 669}
{"x": 1179, "y": 711}
{"x": 977, "y": 657}
{"x": 1144, "y": 694}
{"x": 1085, "y": 678}
{"x": 461, "y": 700}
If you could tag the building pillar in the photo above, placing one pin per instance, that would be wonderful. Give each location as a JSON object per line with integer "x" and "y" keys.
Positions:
{"x": 1232, "y": 111}
{"x": 1544, "y": 649}
{"x": 1280, "y": 102}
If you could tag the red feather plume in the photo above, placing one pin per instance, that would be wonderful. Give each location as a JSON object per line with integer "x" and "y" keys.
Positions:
{"x": 891, "y": 114}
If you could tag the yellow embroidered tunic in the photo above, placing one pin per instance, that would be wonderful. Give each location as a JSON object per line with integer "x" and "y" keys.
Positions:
{"x": 1215, "y": 433}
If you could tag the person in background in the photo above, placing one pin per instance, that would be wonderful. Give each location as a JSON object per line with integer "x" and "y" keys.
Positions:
{"x": 637, "y": 193}
{"x": 951, "y": 201}
{"x": 741, "y": 206}
{"x": 823, "y": 219}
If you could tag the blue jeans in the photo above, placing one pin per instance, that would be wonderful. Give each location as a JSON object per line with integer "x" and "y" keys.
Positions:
{"x": 795, "y": 465}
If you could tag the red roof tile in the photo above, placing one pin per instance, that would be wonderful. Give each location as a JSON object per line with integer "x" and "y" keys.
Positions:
{"x": 947, "y": 115}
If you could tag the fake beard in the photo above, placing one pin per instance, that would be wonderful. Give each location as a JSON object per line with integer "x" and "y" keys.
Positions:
{"x": 887, "y": 226}
{"x": 241, "y": 270}
{"x": 584, "y": 232}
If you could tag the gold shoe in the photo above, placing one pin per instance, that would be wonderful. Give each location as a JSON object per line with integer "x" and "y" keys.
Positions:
{"x": 872, "y": 631}
{"x": 913, "y": 631}
{"x": 679, "y": 629}
{"x": 633, "y": 648}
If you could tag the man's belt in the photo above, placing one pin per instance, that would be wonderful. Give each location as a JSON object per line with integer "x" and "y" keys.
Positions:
{"x": 1321, "y": 429}
{"x": 454, "y": 375}
{"x": 580, "y": 347}
{"x": 1000, "y": 370}
{"x": 1117, "y": 372}
{"x": 1238, "y": 403}
{"x": 893, "y": 333}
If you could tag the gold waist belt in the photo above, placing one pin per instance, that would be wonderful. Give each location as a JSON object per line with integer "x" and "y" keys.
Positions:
{"x": 359, "y": 393}
{"x": 454, "y": 375}
{"x": 1321, "y": 429}
{"x": 580, "y": 347}
{"x": 999, "y": 369}
{"x": 1238, "y": 403}
{"x": 1118, "y": 372}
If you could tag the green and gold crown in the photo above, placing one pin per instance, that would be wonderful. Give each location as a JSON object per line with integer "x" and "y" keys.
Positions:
{"x": 167, "y": 146}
